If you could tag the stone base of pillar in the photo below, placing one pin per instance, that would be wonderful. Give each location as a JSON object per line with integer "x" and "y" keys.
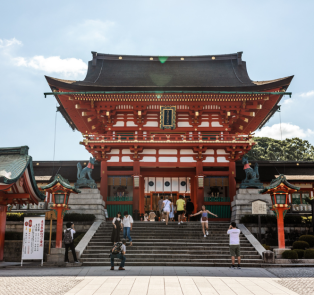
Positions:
{"x": 56, "y": 257}
{"x": 278, "y": 252}
{"x": 242, "y": 203}
{"x": 89, "y": 201}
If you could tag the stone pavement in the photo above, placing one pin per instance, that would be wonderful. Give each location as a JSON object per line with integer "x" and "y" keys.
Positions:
{"x": 150, "y": 281}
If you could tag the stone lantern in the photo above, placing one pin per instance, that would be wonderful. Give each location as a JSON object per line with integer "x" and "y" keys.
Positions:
{"x": 60, "y": 189}
{"x": 279, "y": 190}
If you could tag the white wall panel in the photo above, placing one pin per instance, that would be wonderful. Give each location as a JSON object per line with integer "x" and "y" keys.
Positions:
{"x": 114, "y": 151}
{"x": 168, "y": 159}
{"x": 183, "y": 189}
{"x": 221, "y": 152}
{"x": 209, "y": 152}
{"x": 126, "y": 159}
{"x": 174, "y": 181}
{"x": 130, "y": 124}
{"x": 167, "y": 152}
{"x": 187, "y": 159}
{"x": 152, "y": 188}
{"x": 216, "y": 124}
{"x": 187, "y": 152}
{"x": 204, "y": 124}
{"x": 167, "y": 188}
{"x": 222, "y": 160}
{"x": 151, "y": 124}
{"x": 148, "y": 159}
{"x": 119, "y": 124}
{"x": 114, "y": 159}
{"x": 148, "y": 151}
{"x": 184, "y": 124}
{"x": 159, "y": 184}
{"x": 209, "y": 160}
{"x": 126, "y": 151}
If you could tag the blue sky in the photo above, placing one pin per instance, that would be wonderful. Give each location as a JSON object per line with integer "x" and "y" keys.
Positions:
{"x": 56, "y": 39}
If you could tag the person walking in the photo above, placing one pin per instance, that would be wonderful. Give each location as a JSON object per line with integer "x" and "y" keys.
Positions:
{"x": 160, "y": 206}
{"x": 173, "y": 209}
{"x": 189, "y": 209}
{"x": 166, "y": 209}
{"x": 117, "y": 228}
{"x": 69, "y": 243}
{"x": 118, "y": 251}
{"x": 180, "y": 208}
{"x": 127, "y": 226}
{"x": 204, "y": 219}
{"x": 234, "y": 244}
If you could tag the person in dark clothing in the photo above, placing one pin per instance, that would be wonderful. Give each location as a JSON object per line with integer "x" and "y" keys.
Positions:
{"x": 117, "y": 228}
{"x": 189, "y": 209}
{"x": 70, "y": 229}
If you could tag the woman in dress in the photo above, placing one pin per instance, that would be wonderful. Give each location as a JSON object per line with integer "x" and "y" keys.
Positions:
{"x": 171, "y": 215}
{"x": 117, "y": 228}
{"x": 204, "y": 219}
{"x": 166, "y": 209}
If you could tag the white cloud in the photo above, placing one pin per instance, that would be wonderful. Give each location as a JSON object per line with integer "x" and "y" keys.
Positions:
{"x": 307, "y": 94}
{"x": 95, "y": 31}
{"x": 8, "y": 43}
{"x": 288, "y": 101}
{"x": 288, "y": 131}
{"x": 53, "y": 64}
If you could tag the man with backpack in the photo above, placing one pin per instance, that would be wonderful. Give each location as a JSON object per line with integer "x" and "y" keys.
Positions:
{"x": 68, "y": 242}
{"x": 118, "y": 251}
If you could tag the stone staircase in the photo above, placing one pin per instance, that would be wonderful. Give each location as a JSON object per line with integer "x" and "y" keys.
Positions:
{"x": 155, "y": 244}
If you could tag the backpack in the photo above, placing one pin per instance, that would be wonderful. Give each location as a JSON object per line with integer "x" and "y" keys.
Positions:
{"x": 67, "y": 237}
{"x": 117, "y": 248}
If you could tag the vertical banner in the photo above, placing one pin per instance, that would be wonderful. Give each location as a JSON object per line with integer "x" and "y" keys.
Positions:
{"x": 33, "y": 238}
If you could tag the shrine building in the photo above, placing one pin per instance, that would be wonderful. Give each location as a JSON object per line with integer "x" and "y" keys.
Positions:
{"x": 167, "y": 126}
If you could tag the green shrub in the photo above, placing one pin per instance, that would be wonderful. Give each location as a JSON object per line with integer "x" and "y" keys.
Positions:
{"x": 271, "y": 219}
{"x": 309, "y": 254}
{"x": 290, "y": 254}
{"x": 300, "y": 245}
{"x": 266, "y": 247}
{"x": 78, "y": 238}
{"x": 300, "y": 253}
{"x": 308, "y": 238}
{"x": 78, "y": 217}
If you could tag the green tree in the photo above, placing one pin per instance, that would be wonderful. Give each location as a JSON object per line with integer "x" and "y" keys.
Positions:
{"x": 294, "y": 149}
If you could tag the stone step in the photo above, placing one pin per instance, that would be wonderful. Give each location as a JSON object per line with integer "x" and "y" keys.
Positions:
{"x": 191, "y": 247}
{"x": 170, "y": 256}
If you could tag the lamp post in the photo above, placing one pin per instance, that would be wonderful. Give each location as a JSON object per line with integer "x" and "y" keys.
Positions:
{"x": 279, "y": 190}
{"x": 60, "y": 189}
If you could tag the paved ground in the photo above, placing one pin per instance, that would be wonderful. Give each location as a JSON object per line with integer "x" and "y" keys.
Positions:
{"x": 155, "y": 280}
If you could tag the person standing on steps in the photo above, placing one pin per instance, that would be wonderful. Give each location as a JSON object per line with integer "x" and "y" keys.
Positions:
{"x": 68, "y": 242}
{"x": 127, "y": 226}
{"x": 180, "y": 208}
{"x": 204, "y": 219}
{"x": 160, "y": 206}
{"x": 189, "y": 209}
{"x": 117, "y": 228}
{"x": 118, "y": 251}
{"x": 166, "y": 209}
{"x": 173, "y": 209}
{"x": 234, "y": 243}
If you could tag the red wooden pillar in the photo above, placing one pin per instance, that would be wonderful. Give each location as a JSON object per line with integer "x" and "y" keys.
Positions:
{"x": 200, "y": 191}
{"x": 281, "y": 228}
{"x": 3, "y": 219}
{"x": 136, "y": 190}
{"x": 103, "y": 180}
{"x": 59, "y": 229}
{"x": 232, "y": 181}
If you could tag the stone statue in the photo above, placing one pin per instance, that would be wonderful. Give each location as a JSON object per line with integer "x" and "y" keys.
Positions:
{"x": 251, "y": 175}
{"x": 82, "y": 174}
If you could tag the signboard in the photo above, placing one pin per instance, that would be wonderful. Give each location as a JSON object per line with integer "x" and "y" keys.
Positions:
{"x": 33, "y": 238}
{"x": 51, "y": 215}
{"x": 167, "y": 117}
{"x": 259, "y": 207}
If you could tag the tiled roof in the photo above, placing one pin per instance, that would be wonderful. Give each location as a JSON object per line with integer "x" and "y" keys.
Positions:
{"x": 299, "y": 177}
{"x": 64, "y": 182}
{"x": 276, "y": 182}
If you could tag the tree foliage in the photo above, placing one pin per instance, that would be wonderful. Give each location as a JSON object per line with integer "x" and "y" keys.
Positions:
{"x": 290, "y": 149}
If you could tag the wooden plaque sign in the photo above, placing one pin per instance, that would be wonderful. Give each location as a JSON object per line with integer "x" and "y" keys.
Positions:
{"x": 167, "y": 117}
{"x": 50, "y": 215}
{"x": 259, "y": 207}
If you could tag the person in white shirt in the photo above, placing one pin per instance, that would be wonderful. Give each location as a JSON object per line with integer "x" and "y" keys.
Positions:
{"x": 167, "y": 204}
{"x": 234, "y": 243}
{"x": 127, "y": 226}
{"x": 70, "y": 227}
